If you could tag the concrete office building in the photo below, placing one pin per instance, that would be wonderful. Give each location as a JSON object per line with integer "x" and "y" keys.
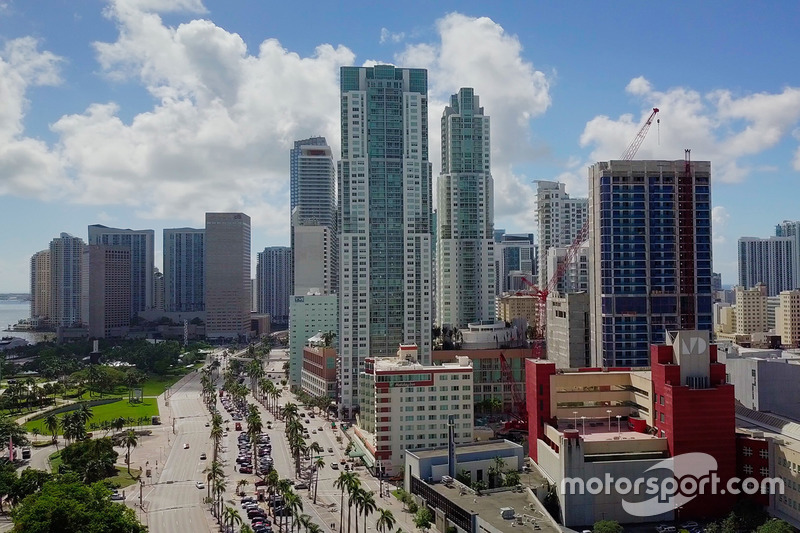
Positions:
{"x": 274, "y": 280}
{"x": 787, "y": 318}
{"x": 313, "y": 212}
{"x": 406, "y": 405}
{"x": 650, "y": 232}
{"x": 514, "y": 258}
{"x": 141, "y": 243}
{"x": 751, "y": 310}
{"x": 318, "y": 375}
{"x": 465, "y": 282}
{"x": 765, "y": 380}
{"x": 309, "y": 315}
{"x": 41, "y": 298}
{"x": 386, "y": 282}
{"x": 66, "y": 281}
{"x": 184, "y": 269}
{"x": 568, "y": 330}
{"x": 227, "y": 276}
{"x": 770, "y": 261}
{"x": 575, "y": 277}
{"x": 560, "y": 219}
{"x": 107, "y": 290}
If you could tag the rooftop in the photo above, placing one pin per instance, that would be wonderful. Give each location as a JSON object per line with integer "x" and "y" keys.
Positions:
{"x": 475, "y": 447}
{"x": 596, "y": 430}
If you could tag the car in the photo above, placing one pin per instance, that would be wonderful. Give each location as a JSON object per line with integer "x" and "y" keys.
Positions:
{"x": 330, "y": 450}
{"x": 224, "y": 433}
{"x": 300, "y": 486}
{"x": 200, "y": 485}
{"x": 313, "y": 431}
{"x": 185, "y": 445}
{"x": 117, "y": 497}
{"x": 202, "y": 457}
{"x": 246, "y": 469}
{"x": 690, "y": 525}
{"x": 310, "y": 415}
{"x": 335, "y": 466}
{"x": 207, "y": 424}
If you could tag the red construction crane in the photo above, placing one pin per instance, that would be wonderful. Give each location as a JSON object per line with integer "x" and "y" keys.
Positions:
{"x": 637, "y": 141}
{"x": 519, "y": 412}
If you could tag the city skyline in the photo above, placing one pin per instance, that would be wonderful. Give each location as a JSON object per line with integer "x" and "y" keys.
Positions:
{"x": 102, "y": 130}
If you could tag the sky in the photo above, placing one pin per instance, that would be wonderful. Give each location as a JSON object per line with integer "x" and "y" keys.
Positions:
{"x": 146, "y": 114}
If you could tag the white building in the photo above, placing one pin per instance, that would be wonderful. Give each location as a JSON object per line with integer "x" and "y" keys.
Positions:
{"x": 465, "y": 282}
{"x": 141, "y": 243}
{"x": 66, "y": 281}
{"x": 560, "y": 220}
{"x": 386, "y": 280}
{"x": 575, "y": 277}
{"x": 769, "y": 261}
{"x": 309, "y": 315}
{"x": 406, "y": 405}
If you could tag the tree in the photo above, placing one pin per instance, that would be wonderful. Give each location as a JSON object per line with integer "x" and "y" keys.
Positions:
{"x": 8, "y": 478}
{"x": 240, "y": 485}
{"x": 775, "y": 526}
{"x": 231, "y": 515}
{"x": 511, "y": 478}
{"x": 607, "y": 526}
{"x": 347, "y": 481}
{"x": 327, "y": 338}
{"x": 130, "y": 440}
{"x": 319, "y": 464}
{"x": 52, "y": 425}
{"x": 91, "y": 459}
{"x": 66, "y": 504}
{"x": 367, "y": 505}
{"x": 423, "y": 518}
{"x": 386, "y": 520}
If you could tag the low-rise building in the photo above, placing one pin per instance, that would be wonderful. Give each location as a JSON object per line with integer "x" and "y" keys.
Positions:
{"x": 406, "y": 405}
{"x": 318, "y": 377}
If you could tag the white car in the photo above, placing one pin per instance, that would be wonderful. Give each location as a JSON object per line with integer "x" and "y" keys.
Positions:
{"x": 200, "y": 485}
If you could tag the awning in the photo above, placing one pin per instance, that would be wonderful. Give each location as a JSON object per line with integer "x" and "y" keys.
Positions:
{"x": 356, "y": 453}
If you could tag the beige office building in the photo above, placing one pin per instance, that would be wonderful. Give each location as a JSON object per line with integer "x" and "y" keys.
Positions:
{"x": 40, "y": 287}
{"x": 227, "y": 275}
{"x": 107, "y": 290}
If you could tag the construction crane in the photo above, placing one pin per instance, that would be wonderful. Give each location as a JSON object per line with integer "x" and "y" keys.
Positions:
{"x": 519, "y": 412}
{"x": 637, "y": 141}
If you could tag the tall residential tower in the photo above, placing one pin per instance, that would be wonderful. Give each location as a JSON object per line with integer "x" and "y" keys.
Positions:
{"x": 385, "y": 284}
{"x": 184, "y": 269}
{"x": 560, "y": 220}
{"x": 273, "y": 277}
{"x": 465, "y": 278}
{"x": 650, "y": 234}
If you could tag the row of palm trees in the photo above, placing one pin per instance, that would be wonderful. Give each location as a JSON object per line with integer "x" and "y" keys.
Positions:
{"x": 363, "y": 501}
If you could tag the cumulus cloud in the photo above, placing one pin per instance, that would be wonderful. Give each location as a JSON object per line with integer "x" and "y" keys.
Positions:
{"x": 478, "y": 53}
{"x": 719, "y": 223}
{"x": 389, "y": 37}
{"x": 719, "y": 126}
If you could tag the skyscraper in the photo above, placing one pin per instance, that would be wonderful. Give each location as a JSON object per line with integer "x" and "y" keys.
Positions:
{"x": 560, "y": 220}
{"x": 791, "y": 228}
{"x": 770, "y": 261}
{"x": 41, "y": 297}
{"x": 184, "y": 269}
{"x": 313, "y": 217}
{"x": 513, "y": 253}
{"x": 274, "y": 278}
{"x": 66, "y": 280}
{"x": 385, "y": 288}
{"x": 227, "y": 275}
{"x": 650, "y": 233}
{"x": 465, "y": 280}
{"x": 106, "y": 290}
{"x": 142, "y": 247}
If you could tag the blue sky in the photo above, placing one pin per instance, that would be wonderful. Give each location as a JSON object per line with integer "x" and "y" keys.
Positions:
{"x": 148, "y": 113}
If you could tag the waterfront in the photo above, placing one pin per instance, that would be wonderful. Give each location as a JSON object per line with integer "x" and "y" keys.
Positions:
{"x": 11, "y": 312}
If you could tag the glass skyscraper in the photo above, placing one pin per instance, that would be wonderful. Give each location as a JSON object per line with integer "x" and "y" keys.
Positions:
{"x": 184, "y": 269}
{"x": 650, "y": 234}
{"x": 385, "y": 284}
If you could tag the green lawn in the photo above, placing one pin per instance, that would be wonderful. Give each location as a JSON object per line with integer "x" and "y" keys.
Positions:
{"x": 55, "y": 461}
{"x": 109, "y": 411}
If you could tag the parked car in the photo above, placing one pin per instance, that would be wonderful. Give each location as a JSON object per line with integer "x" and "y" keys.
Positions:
{"x": 200, "y": 485}
{"x": 300, "y": 486}
{"x": 202, "y": 456}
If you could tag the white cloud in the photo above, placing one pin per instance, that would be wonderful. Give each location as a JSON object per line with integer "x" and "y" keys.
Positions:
{"x": 719, "y": 223}
{"x": 719, "y": 127}
{"x": 389, "y": 37}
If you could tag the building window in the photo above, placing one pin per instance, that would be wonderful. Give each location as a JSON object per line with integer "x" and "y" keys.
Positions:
{"x": 747, "y": 451}
{"x": 764, "y": 471}
{"x": 764, "y": 454}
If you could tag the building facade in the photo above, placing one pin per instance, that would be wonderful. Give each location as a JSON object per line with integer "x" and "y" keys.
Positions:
{"x": 561, "y": 220}
{"x": 274, "y": 280}
{"x": 227, "y": 275}
{"x": 791, "y": 228}
{"x": 465, "y": 283}
{"x": 141, "y": 243}
{"x": 107, "y": 290}
{"x": 751, "y": 309}
{"x": 770, "y": 261}
{"x": 787, "y": 318}
{"x": 406, "y": 405}
{"x": 650, "y": 232}
{"x": 568, "y": 331}
{"x": 41, "y": 298}
{"x": 313, "y": 208}
{"x": 318, "y": 376}
{"x": 309, "y": 315}
{"x": 184, "y": 269}
{"x": 66, "y": 281}
{"x": 575, "y": 275}
{"x": 386, "y": 283}
{"x": 514, "y": 257}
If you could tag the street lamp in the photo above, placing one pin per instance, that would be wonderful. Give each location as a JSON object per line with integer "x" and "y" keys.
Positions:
{"x": 618, "y": 425}
{"x": 609, "y": 419}
{"x": 583, "y": 424}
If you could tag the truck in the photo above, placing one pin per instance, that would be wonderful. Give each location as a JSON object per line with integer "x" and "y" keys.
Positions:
{"x": 238, "y": 426}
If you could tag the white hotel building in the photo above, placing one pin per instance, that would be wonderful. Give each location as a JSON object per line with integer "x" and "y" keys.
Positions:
{"x": 405, "y": 405}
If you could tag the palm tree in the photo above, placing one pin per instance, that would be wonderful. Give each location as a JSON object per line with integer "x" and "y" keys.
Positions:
{"x": 215, "y": 472}
{"x": 365, "y": 502}
{"x": 130, "y": 440}
{"x": 220, "y": 486}
{"x": 231, "y": 515}
{"x": 293, "y": 502}
{"x": 303, "y": 520}
{"x": 36, "y": 432}
{"x": 216, "y": 438}
{"x": 51, "y": 423}
{"x": 386, "y": 520}
{"x": 241, "y": 485}
{"x": 319, "y": 464}
{"x": 314, "y": 528}
{"x": 343, "y": 483}
{"x": 327, "y": 338}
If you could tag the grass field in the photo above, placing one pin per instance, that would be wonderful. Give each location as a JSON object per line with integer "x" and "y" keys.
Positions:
{"x": 110, "y": 411}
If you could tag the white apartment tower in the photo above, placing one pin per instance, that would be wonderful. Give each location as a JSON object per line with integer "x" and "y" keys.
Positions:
{"x": 465, "y": 279}
{"x": 66, "y": 280}
{"x": 770, "y": 261}
{"x": 385, "y": 274}
{"x": 184, "y": 269}
{"x": 313, "y": 217}
{"x": 41, "y": 297}
{"x": 142, "y": 247}
{"x": 227, "y": 275}
{"x": 560, "y": 220}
